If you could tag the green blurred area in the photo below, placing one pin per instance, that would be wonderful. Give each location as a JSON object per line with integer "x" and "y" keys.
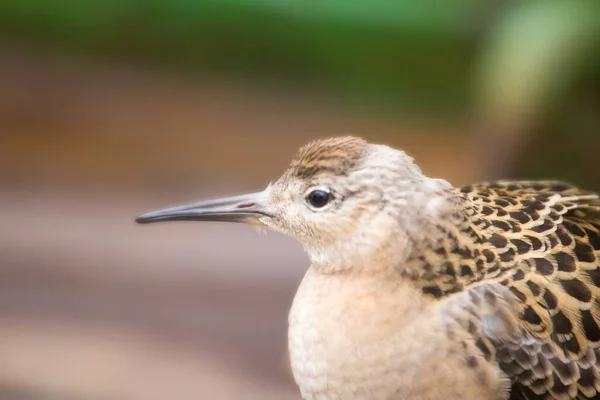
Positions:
{"x": 513, "y": 67}
{"x": 416, "y": 53}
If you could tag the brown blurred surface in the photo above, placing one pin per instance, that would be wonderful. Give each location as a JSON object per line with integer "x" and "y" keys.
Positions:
{"x": 95, "y": 307}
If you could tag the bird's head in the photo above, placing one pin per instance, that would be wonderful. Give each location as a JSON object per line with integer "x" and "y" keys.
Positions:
{"x": 342, "y": 198}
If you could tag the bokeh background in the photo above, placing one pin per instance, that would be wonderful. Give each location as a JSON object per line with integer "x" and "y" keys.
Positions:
{"x": 110, "y": 108}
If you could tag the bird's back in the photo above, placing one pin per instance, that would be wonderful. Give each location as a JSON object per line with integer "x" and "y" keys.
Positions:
{"x": 527, "y": 283}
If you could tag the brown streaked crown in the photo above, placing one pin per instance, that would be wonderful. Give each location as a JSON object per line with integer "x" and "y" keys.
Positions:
{"x": 334, "y": 155}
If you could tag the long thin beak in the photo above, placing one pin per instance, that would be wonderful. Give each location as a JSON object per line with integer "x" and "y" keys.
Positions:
{"x": 246, "y": 208}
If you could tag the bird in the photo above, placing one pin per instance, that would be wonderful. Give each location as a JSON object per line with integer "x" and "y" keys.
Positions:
{"x": 419, "y": 290}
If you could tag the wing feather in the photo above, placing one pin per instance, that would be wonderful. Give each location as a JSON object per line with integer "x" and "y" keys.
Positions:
{"x": 542, "y": 242}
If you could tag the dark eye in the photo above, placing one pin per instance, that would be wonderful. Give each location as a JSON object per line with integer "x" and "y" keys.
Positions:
{"x": 319, "y": 198}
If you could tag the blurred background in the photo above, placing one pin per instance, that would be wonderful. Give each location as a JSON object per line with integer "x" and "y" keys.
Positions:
{"x": 110, "y": 108}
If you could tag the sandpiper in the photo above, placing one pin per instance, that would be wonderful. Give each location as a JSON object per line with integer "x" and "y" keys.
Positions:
{"x": 418, "y": 290}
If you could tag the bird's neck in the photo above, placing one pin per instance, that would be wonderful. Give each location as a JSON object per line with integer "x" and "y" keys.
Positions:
{"x": 450, "y": 256}
{"x": 416, "y": 247}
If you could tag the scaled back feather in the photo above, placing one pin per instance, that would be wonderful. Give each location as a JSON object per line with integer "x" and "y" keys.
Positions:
{"x": 540, "y": 242}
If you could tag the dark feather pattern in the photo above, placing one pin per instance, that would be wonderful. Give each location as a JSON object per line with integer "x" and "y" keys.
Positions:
{"x": 541, "y": 242}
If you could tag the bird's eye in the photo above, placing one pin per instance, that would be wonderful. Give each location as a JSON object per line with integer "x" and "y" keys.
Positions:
{"x": 319, "y": 198}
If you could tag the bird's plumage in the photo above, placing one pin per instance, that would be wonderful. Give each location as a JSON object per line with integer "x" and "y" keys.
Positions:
{"x": 333, "y": 156}
{"x": 541, "y": 241}
{"x": 421, "y": 291}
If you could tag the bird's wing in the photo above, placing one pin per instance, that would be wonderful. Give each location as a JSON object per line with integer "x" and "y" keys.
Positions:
{"x": 536, "y": 250}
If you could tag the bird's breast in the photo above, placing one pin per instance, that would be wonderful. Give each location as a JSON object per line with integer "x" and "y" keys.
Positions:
{"x": 362, "y": 338}
{"x": 347, "y": 334}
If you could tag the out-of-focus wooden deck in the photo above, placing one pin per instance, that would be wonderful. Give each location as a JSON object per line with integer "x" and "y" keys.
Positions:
{"x": 93, "y": 306}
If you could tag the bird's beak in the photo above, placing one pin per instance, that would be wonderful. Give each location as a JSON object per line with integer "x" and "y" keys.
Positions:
{"x": 246, "y": 208}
